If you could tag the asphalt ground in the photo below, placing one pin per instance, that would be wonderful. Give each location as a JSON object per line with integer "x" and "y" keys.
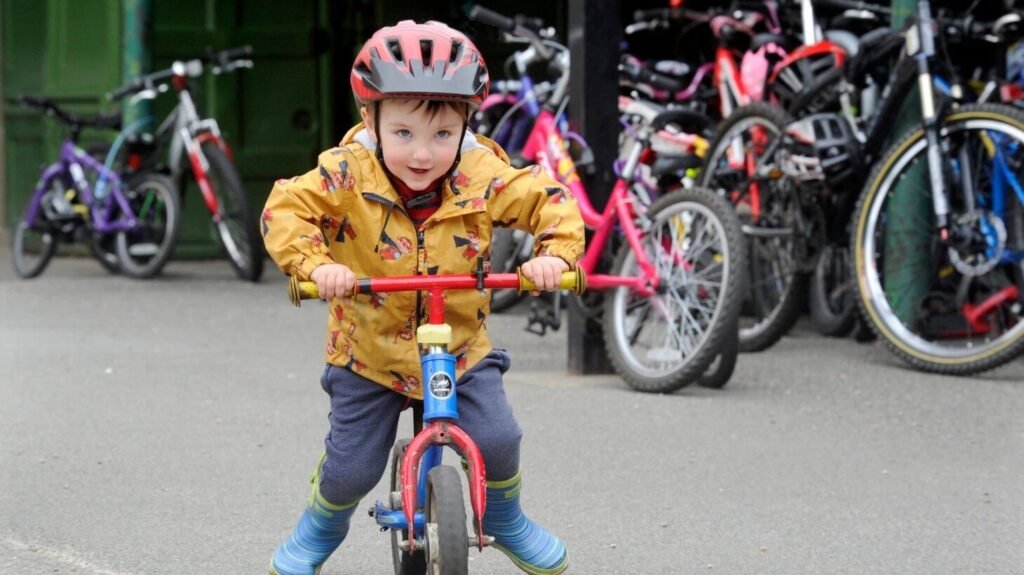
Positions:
{"x": 170, "y": 426}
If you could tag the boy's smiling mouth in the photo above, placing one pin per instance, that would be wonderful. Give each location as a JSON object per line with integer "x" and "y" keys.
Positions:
{"x": 419, "y": 171}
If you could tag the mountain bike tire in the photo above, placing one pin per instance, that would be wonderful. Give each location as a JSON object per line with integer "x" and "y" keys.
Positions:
{"x": 881, "y": 306}
{"x": 832, "y": 304}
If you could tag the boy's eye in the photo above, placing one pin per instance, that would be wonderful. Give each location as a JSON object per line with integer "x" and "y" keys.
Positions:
{"x": 403, "y": 133}
{"x": 442, "y": 134}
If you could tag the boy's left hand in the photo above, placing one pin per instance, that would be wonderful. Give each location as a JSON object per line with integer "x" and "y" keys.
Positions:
{"x": 545, "y": 272}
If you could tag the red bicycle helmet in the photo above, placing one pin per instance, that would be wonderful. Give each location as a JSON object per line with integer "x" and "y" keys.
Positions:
{"x": 430, "y": 60}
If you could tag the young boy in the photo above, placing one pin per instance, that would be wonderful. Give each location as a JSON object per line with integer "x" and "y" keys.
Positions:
{"x": 411, "y": 191}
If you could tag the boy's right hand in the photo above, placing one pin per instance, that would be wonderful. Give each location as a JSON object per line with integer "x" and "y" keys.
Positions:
{"x": 334, "y": 280}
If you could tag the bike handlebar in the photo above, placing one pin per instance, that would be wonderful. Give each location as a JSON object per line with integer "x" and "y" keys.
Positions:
{"x": 50, "y": 108}
{"x": 856, "y": 5}
{"x": 573, "y": 280}
{"x": 521, "y": 26}
{"x": 222, "y": 61}
{"x": 633, "y": 70}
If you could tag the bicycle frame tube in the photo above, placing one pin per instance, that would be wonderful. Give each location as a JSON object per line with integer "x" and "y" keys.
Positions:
{"x": 73, "y": 159}
{"x": 704, "y": 69}
{"x": 546, "y": 147}
{"x": 727, "y": 80}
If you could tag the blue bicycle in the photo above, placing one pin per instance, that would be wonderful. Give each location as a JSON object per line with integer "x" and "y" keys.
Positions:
{"x": 427, "y": 517}
{"x": 79, "y": 199}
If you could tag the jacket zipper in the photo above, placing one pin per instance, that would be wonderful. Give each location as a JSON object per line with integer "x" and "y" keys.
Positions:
{"x": 419, "y": 294}
{"x": 419, "y": 243}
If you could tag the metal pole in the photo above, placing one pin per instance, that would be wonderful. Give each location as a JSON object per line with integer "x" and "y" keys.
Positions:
{"x": 594, "y": 32}
{"x": 908, "y": 276}
{"x": 135, "y": 54}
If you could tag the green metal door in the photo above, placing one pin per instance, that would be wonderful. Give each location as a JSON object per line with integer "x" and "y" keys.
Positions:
{"x": 273, "y": 114}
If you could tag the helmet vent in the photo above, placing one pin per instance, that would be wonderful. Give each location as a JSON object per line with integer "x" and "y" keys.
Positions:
{"x": 395, "y": 47}
{"x": 363, "y": 70}
{"x": 456, "y": 52}
{"x": 427, "y": 51}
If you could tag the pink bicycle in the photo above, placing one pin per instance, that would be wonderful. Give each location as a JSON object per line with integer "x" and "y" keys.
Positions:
{"x": 670, "y": 297}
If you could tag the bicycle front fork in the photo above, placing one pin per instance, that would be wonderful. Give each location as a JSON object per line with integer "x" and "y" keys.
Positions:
{"x": 921, "y": 46}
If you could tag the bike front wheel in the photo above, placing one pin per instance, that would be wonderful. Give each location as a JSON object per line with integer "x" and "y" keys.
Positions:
{"x": 144, "y": 249}
{"x": 663, "y": 341}
{"x": 445, "y": 533}
{"x": 947, "y": 305}
{"x": 234, "y": 222}
{"x": 404, "y": 562}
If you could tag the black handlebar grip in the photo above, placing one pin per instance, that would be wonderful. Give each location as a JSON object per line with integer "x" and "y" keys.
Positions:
{"x": 652, "y": 14}
{"x": 660, "y": 81}
{"x": 491, "y": 18}
{"x": 856, "y": 5}
{"x": 234, "y": 53}
{"x": 124, "y": 90}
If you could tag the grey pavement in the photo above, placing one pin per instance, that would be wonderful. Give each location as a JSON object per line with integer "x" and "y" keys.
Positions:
{"x": 170, "y": 426}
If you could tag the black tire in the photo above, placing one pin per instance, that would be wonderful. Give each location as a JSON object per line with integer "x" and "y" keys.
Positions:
{"x": 235, "y": 224}
{"x": 155, "y": 202}
{"x": 104, "y": 249}
{"x": 404, "y": 563}
{"x": 769, "y": 312}
{"x": 446, "y": 509}
{"x": 909, "y": 313}
{"x": 704, "y": 315}
{"x": 832, "y": 302}
{"x": 722, "y": 367}
{"x": 33, "y": 246}
{"x": 507, "y": 248}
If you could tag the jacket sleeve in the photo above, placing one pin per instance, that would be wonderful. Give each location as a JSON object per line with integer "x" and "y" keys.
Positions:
{"x": 298, "y": 207}
{"x": 530, "y": 200}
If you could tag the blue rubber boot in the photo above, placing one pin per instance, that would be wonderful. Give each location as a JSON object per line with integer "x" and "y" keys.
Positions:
{"x": 322, "y": 527}
{"x": 531, "y": 547}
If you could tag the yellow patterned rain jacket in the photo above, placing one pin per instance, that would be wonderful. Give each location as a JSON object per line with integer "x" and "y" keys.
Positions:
{"x": 347, "y": 211}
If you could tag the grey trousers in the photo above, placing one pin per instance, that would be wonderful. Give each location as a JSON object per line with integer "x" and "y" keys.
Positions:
{"x": 364, "y": 420}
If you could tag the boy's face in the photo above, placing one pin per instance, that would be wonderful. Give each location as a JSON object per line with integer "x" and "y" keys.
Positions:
{"x": 419, "y": 146}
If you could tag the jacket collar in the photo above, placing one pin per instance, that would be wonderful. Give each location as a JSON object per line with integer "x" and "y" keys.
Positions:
{"x": 377, "y": 187}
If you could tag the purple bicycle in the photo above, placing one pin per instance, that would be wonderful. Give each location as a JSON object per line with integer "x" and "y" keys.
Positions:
{"x": 78, "y": 199}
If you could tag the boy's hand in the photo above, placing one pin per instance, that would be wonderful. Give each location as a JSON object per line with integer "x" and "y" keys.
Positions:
{"x": 545, "y": 272}
{"x": 334, "y": 280}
